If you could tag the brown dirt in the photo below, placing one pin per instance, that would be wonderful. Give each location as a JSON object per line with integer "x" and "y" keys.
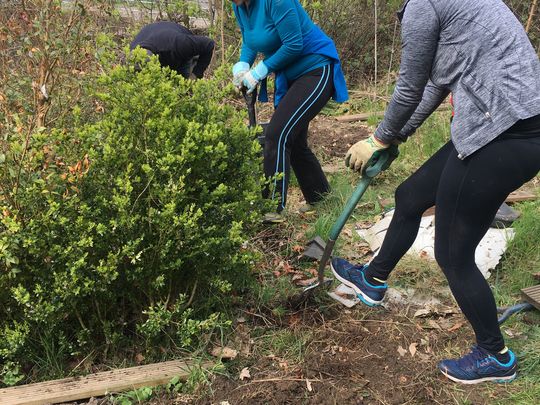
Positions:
{"x": 334, "y": 138}
{"x": 353, "y": 358}
{"x": 326, "y": 134}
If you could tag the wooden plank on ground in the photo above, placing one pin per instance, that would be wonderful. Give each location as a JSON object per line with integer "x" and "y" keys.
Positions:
{"x": 515, "y": 196}
{"x": 532, "y": 295}
{"x": 520, "y": 195}
{"x": 98, "y": 384}
{"x": 359, "y": 117}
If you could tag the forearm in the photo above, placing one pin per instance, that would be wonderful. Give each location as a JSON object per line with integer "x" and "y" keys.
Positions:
{"x": 420, "y": 38}
{"x": 247, "y": 54}
{"x": 432, "y": 98}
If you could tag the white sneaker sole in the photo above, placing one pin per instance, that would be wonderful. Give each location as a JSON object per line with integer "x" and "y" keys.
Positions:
{"x": 367, "y": 300}
{"x": 506, "y": 379}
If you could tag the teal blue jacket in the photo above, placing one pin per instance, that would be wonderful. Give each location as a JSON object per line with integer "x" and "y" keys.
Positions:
{"x": 276, "y": 29}
{"x": 291, "y": 43}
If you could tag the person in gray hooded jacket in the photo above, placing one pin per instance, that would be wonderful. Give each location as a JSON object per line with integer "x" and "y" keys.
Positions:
{"x": 478, "y": 50}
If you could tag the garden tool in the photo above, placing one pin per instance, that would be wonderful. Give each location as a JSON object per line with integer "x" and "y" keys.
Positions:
{"x": 251, "y": 99}
{"x": 379, "y": 161}
{"x": 531, "y": 297}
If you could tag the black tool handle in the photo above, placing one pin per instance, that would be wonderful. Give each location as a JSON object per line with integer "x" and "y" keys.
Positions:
{"x": 251, "y": 98}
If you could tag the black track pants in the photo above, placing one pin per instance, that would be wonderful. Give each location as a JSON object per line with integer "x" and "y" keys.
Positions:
{"x": 286, "y": 138}
{"x": 466, "y": 194}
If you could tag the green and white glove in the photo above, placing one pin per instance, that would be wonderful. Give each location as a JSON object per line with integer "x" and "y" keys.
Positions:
{"x": 359, "y": 154}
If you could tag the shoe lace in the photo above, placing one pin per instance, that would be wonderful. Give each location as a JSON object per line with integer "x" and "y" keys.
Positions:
{"x": 477, "y": 356}
{"x": 356, "y": 272}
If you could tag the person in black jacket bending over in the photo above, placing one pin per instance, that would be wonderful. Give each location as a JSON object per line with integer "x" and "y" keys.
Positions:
{"x": 177, "y": 47}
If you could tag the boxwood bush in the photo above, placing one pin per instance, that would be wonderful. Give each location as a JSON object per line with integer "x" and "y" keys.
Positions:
{"x": 131, "y": 229}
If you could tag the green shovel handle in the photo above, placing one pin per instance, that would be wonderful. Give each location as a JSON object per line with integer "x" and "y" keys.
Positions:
{"x": 378, "y": 162}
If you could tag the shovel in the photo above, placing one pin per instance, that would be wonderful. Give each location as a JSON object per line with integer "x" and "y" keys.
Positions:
{"x": 251, "y": 99}
{"x": 379, "y": 161}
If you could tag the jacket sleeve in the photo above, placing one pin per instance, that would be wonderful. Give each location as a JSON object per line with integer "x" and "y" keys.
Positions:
{"x": 205, "y": 47}
{"x": 433, "y": 97}
{"x": 247, "y": 54}
{"x": 287, "y": 23}
{"x": 420, "y": 34}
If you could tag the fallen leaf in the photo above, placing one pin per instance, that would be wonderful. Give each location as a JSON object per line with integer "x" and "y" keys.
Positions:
{"x": 455, "y": 327}
{"x": 402, "y": 379}
{"x": 363, "y": 225}
{"x": 445, "y": 323}
{"x": 401, "y": 351}
{"x": 308, "y": 385}
{"x": 511, "y": 333}
{"x": 449, "y": 311}
{"x": 423, "y": 357}
{"x": 225, "y": 353}
{"x": 431, "y": 324}
{"x": 139, "y": 358}
{"x": 422, "y": 313}
{"x": 306, "y": 282}
{"x": 384, "y": 202}
{"x": 276, "y": 273}
{"x": 245, "y": 374}
{"x": 313, "y": 272}
{"x": 297, "y": 248}
{"x": 412, "y": 349}
{"x": 287, "y": 267}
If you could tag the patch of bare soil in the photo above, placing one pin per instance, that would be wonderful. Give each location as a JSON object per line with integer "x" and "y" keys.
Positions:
{"x": 326, "y": 134}
{"x": 361, "y": 356}
{"x": 334, "y": 138}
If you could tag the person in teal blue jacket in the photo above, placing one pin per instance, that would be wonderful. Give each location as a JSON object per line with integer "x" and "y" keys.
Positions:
{"x": 307, "y": 72}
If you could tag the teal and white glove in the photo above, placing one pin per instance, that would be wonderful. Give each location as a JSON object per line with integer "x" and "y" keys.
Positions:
{"x": 239, "y": 70}
{"x": 254, "y": 76}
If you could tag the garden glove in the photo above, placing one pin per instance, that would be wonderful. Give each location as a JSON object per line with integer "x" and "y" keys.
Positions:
{"x": 254, "y": 76}
{"x": 239, "y": 70}
{"x": 359, "y": 154}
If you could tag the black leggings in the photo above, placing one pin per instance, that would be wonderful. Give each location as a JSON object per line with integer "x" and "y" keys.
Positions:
{"x": 466, "y": 194}
{"x": 286, "y": 138}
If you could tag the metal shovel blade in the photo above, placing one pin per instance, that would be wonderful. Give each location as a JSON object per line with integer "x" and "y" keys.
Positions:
{"x": 326, "y": 282}
{"x": 322, "y": 281}
{"x": 315, "y": 249}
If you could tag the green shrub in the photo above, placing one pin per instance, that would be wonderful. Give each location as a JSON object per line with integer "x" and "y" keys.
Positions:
{"x": 130, "y": 229}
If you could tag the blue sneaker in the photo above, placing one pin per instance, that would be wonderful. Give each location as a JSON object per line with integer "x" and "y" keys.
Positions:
{"x": 479, "y": 366}
{"x": 353, "y": 276}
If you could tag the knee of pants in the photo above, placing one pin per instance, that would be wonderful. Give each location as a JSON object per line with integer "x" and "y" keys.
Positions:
{"x": 407, "y": 201}
{"x": 453, "y": 265}
{"x": 270, "y": 151}
{"x": 442, "y": 257}
{"x": 273, "y": 132}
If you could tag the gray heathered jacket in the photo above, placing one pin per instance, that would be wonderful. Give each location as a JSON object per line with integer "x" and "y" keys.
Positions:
{"x": 476, "y": 49}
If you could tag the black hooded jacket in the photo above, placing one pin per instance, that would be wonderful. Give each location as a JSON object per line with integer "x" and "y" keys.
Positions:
{"x": 176, "y": 46}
